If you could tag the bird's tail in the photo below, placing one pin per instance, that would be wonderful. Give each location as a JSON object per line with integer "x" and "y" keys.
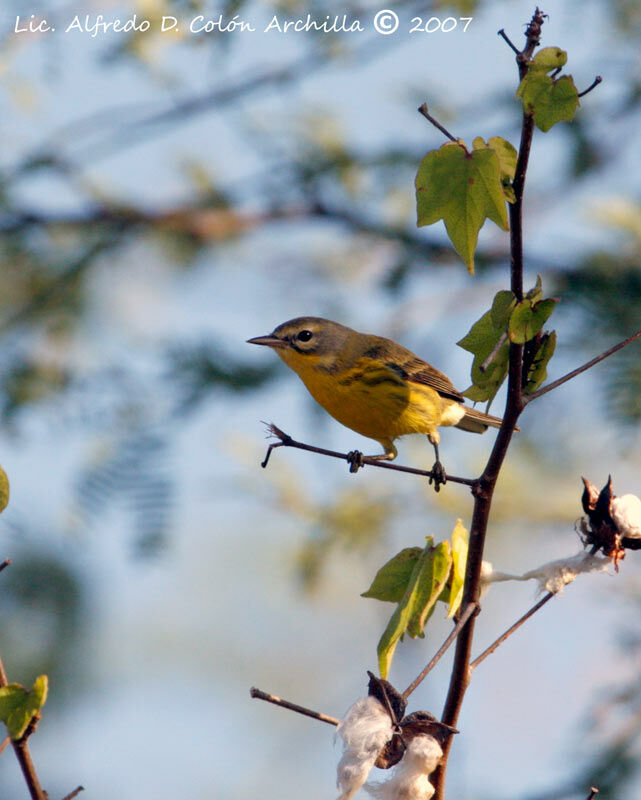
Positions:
{"x": 477, "y": 422}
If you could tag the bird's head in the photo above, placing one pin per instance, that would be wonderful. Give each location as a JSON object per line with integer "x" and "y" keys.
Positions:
{"x": 307, "y": 342}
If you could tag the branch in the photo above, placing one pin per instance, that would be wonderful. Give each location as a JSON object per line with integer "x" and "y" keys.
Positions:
{"x": 287, "y": 441}
{"x": 593, "y": 793}
{"x": 594, "y": 83}
{"x": 21, "y": 749}
{"x": 73, "y": 794}
{"x": 471, "y": 609}
{"x": 424, "y": 111}
{"x": 586, "y": 366}
{"x": 272, "y": 698}
{"x": 484, "y": 488}
{"x": 488, "y": 651}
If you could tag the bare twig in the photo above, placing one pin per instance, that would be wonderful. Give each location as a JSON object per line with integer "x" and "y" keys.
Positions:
{"x": 488, "y": 651}
{"x": 471, "y": 609}
{"x": 583, "y": 368}
{"x": 287, "y": 441}
{"x": 594, "y": 83}
{"x": 23, "y": 755}
{"x": 495, "y": 350}
{"x": 272, "y": 698}
{"x": 4, "y": 744}
{"x": 506, "y": 38}
{"x": 6, "y": 563}
{"x": 73, "y": 794}
{"x": 424, "y": 111}
{"x": 593, "y": 793}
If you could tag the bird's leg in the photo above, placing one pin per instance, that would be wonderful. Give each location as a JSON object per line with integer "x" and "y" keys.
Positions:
{"x": 438, "y": 476}
{"x": 356, "y": 459}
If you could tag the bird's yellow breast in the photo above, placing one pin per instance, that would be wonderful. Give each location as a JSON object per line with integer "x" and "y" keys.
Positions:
{"x": 372, "y": 398}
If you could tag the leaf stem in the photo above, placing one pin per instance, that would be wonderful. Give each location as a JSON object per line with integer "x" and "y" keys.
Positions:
{"x": 425, "y": 112}
{"x": 469, "y": 610}
{"x": 509, "y": 41}
{"x": 489, "y": 650}
{"x": 591, "y": 363}
{"x": 73, "y": 794}
{"x": 287, "y": 441}
{"x": 278, "y": 701}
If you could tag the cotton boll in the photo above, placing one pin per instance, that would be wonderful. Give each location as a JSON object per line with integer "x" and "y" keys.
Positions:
{"x": 365, "y": 729}
{"x": 411, "y": 777}
{"x": 626, "y": 515}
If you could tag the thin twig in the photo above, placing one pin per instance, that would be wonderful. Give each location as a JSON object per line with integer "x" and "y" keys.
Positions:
{"x": 73, "y": 794}
{"x": 503, "y": 34}
{"x": 487, "y": 652}
{"x": 492, "y": 355}
{"x": 583, "y": 368}
{"x": 272, "y": 698}
{"x": 424, "y": 111}
{"x": 6, "y": 563}
{"x": 593, "y": 793}
{"x": 594, "y": 83}
{"x": 4, "y": 744}
{"x": 21, "y": 749}
{"x": 287, "y": 441}
{"x": 471, "y": 608}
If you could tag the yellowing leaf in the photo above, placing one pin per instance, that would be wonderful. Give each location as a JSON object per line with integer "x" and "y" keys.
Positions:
{"x": 548, "y": 59}
{"x": 463, "y": 189}
{"x": 459, "y": 561}
{"x": 4, "y": 490}
{"x": 537, "y": 370}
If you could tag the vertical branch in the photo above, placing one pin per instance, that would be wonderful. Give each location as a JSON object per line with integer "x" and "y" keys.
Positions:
{"x": 484, "y": 488}
{"x": 21, "y": 749}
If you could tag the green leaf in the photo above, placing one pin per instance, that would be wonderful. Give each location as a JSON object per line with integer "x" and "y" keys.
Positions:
{"x": 432, "y": 580}
{"x": 482, "y": 339}
{"x": 537, "y": 371}
{"x": 502, "y": 306}
{"x": 18, "y": 707}
{"x": 507, "y": 156}
{"x": 463, "y": 189}
{"x": 11, "y": 697}
{"x": 459, "y": 560}
{"x": 548, "y": 59}
{"x": 4, "y": 490}
{"x": 527, "y": 319}
{"x": 536, "y": 292}
{"x": 548, "y": 100}
{"x": 417, "y": 601}
{"x": 391, "y": 581}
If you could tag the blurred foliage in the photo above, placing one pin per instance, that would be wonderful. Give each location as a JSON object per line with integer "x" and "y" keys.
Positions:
{"x": 41, "y": 605}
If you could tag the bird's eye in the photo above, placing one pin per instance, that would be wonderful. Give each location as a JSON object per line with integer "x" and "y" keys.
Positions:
{"x": 304, "y": 336}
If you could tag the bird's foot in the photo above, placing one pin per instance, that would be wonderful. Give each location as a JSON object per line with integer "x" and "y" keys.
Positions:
{"x": 355, "y": 460}
{"x": 438, "y": 476}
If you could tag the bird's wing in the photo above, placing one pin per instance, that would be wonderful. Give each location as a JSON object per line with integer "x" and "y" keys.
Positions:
{"x": 410, "y": 367}
{"x": 419, "y": 371}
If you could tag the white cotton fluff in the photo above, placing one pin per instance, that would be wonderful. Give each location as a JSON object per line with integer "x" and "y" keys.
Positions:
{"x": 552, "y": 577}
{"x": 410, "y": 780}
{"x": 626, "y": 515}
{"x": 365, "y": 729}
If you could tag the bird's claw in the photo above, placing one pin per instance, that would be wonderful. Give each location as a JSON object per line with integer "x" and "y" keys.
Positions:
{"x": 355, "y": 460}
{"x": 438, "y": 476}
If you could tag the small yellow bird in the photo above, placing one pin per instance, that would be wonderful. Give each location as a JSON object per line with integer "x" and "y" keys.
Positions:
{"x": 373, "y": 385}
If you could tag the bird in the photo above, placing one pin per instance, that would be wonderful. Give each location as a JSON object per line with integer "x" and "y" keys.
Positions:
{"x": 373, "y": 385}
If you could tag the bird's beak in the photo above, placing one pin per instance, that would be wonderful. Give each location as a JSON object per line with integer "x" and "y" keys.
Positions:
{"x": 268, "y": 341}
